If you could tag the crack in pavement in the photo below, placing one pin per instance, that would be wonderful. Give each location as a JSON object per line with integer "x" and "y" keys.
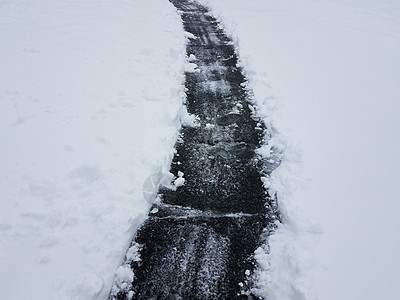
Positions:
{"x": 199, "y": 240}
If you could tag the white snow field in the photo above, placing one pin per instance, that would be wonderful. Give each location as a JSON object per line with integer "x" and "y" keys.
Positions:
{"x": 90, "y": 95}
{"x": 90, "y": 104}
{"x": 327, "y": 74}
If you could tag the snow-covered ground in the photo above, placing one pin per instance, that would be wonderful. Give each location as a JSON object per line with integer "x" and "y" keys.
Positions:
{"x": 90, "y": 93}
{"x": 327, "y": 74}
{"x": 90, "y": 98}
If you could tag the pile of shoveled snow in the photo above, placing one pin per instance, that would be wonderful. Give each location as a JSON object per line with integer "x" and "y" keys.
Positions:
{"x": 90, "y": 93}
{"x": 330, "y": 71}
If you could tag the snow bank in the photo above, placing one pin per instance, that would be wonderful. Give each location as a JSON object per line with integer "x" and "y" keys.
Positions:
{"x": 329, "y": 71}
{"x": 90, "y": 93}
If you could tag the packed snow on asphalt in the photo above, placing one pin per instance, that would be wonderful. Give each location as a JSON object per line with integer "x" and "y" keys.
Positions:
{"x": 91, "y": 100}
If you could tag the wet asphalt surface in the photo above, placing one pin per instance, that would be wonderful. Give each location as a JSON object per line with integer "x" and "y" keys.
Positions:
{"x": 199, "y": 241}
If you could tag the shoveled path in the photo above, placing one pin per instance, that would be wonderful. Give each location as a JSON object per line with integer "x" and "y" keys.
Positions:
{"x": 199, "y": 241}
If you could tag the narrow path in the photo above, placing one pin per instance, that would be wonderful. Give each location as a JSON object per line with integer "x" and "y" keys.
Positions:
{"x": 199, "y": 241}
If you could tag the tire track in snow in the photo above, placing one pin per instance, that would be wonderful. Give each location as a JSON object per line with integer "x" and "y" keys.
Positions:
{"x": 199, "y": 240}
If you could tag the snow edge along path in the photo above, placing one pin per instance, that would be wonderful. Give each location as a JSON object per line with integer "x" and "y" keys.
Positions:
{"x": 91, "y": 105}
{"x": 284, "y": 259}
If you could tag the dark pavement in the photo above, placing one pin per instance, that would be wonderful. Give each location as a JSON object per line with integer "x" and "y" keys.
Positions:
{"x": 200, "y": 239}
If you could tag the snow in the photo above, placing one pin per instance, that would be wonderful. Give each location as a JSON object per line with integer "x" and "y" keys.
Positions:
{"x": 90, "y": 100}
{"x": 190, "y": 35}
{"x": 187, "y": 119}
{"x": 192, "y": 58}
{"x": 191, "y": 68}
{"x": 180, "y": 180}
{"x": 325, "y": 78}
